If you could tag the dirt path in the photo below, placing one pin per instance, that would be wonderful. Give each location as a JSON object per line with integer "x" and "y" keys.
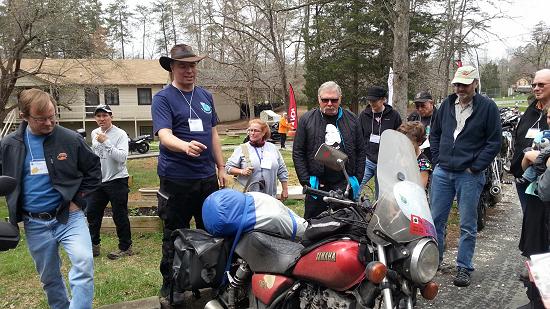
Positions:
{"x": 497, "y": 261}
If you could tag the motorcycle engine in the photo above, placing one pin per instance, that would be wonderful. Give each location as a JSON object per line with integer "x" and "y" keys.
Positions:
{"x": 314, "y": 297}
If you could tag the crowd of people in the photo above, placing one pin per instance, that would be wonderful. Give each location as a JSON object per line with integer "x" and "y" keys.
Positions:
{"x": 60, "y": 176}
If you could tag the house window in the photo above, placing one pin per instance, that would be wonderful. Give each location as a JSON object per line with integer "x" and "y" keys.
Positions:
{"x": 146, "y": 130}
{"x": 144, "y": 96}
{"x": 111, "y": 96}
{"x": 91, "y": 100}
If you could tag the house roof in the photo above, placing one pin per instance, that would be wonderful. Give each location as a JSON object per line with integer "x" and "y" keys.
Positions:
{"x": 128, "y": 72}
{"x": 97, "y": 71}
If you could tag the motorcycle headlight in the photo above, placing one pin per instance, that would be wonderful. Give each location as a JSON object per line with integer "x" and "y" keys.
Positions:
{"x": 421, "y": 266}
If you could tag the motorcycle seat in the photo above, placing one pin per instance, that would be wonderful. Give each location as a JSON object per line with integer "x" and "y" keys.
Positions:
{"x": 268, "y": 254}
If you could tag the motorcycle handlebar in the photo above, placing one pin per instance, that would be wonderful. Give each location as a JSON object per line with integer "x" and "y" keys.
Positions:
{"x": 311, "y": 191}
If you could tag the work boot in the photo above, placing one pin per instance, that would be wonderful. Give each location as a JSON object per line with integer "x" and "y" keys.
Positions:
{"x": 96, "y": 250}
{"x": 462, "y": 278}
{"x": 120, "y": 253}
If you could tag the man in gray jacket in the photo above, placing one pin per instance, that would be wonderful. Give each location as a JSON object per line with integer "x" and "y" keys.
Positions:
{"x": 110, "y": 143}
{"x": 55, "y": 169}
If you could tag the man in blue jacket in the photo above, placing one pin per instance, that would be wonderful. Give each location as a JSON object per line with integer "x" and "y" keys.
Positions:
{"x": 464, "y": 140}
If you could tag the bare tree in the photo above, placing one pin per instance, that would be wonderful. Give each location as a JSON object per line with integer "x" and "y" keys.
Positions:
{"x": 31, "y": 29}
{"x": 401, "y": 56}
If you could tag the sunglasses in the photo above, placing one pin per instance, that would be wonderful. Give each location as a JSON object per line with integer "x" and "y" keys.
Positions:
{"x": 540, "y": 85}
{"x": 326, "y": 100}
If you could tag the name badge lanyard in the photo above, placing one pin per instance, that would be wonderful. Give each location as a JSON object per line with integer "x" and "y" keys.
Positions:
{"x": 30, "y": 148}
{"x": 531, "y": 132}
{"x": 36, "y": 166}
{"x": 189, "y": 103}
{"x": 379, "y": 125}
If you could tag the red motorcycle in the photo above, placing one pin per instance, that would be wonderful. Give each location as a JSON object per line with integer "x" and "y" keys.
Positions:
{"x": 385, "y": 251}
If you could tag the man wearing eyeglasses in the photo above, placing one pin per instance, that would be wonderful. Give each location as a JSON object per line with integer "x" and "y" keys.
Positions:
{"x": 55, "y": 169}
{"x": 190, "y": 162}
{"x": 534, "y": 230}
{"x": 337, "y": 127}
{"x": 464, "y": 140}
{"x": 425, "y": 112}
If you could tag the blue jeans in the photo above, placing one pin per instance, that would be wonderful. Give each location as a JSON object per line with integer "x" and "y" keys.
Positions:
{"x": 370, "y": 171}
{"x": 467, "y": 188}
{"x": 530, "y": 174}
{"x": 43, "y": 239}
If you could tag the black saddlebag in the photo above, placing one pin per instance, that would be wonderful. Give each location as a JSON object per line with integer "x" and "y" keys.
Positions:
{"x": 199, "y": 260}
{"x": 9, "y": 236}
{"x": 342, "y": 222}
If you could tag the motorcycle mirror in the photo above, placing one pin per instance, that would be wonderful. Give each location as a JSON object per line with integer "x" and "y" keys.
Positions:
{"x": 9, "y": 236}
{"x": 330, "y": 157}
{"x": 7, "y": 185}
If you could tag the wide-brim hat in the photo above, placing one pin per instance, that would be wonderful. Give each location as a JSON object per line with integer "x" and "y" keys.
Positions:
{"x": 465, "y": 75}
{"x": 376, "y": 93}
{"x": 180, "y": 52}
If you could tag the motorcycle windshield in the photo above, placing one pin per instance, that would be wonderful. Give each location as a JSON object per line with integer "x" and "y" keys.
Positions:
{"x": 402, "y": 212}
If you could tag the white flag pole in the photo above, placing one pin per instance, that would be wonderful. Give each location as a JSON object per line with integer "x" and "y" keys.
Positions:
{"x": 390, "y": 87}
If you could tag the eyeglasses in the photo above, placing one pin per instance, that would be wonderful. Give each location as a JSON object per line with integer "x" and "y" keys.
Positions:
{"x": 458, "y": 85}
{"x": 327, "y": 100}
{"x": 540, "y": 85}
{"x": 420, "y": 105}
{"x": 44, "y": 119}
{"x": 253, "y": 131}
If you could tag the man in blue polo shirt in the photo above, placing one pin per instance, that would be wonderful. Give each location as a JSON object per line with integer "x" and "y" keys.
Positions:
{"x": 184, "y": 118}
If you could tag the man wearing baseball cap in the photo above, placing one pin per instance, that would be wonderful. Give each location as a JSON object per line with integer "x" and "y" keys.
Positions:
{"x": 375, "y": 119}
{"x": 190, "y": 162}
{"x": 424, "y": 112}
{"x": 110, "y": 144}
{"x": 464, "y": 140}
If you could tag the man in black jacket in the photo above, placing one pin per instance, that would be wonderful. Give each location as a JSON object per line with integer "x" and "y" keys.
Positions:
{"x": 535, "y": 226}
{"x": 464, "y": 140}
{"x": 55, "y": 170}
{"x": 374, "y": 120}
{"x": 337, "y": 127}
{"x": 425, "y": 112}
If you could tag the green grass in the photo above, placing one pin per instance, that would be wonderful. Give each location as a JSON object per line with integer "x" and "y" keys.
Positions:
{"x": 232, "y": 140}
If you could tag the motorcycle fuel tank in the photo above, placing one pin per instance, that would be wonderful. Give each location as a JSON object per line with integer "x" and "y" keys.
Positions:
{"x": 267, "y": 287}
{"x": 334, "y": 265}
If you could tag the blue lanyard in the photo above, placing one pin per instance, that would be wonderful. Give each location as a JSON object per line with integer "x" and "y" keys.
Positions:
{"x": 259, "y": 158}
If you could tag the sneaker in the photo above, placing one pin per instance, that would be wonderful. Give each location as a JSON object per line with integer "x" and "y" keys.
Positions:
{"x": 120, "y": 253}
{"x": 96, "y": 250}
{"x": 462, "y": 278}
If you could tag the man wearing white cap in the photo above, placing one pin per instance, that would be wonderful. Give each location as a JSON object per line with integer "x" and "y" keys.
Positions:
{"x": 464, "y": 140}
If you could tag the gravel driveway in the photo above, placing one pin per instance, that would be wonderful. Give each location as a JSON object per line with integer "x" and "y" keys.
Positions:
{"x": 497, "y": 261}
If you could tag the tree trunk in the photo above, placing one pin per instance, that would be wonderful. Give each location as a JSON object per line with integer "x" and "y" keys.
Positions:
{"x": 401, "y": 56}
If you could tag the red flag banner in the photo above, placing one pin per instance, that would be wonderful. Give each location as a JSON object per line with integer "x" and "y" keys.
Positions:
{"x": 292, "y": 110}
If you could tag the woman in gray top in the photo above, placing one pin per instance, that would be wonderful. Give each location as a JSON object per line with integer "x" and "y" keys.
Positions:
{"x": 259, "y": 162}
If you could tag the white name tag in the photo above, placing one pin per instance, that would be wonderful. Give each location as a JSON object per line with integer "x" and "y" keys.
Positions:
{"x": 374, "y": 138}
{"x": 195, "y": 125}
{"x": 38, "y": 167}
{"x": 532, "y": 132}
{"x": 266, "y": 163}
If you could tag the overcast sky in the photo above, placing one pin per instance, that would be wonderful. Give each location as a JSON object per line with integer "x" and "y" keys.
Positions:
{"x": 515, "y": 31}
{"x": 510, "y": 32}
